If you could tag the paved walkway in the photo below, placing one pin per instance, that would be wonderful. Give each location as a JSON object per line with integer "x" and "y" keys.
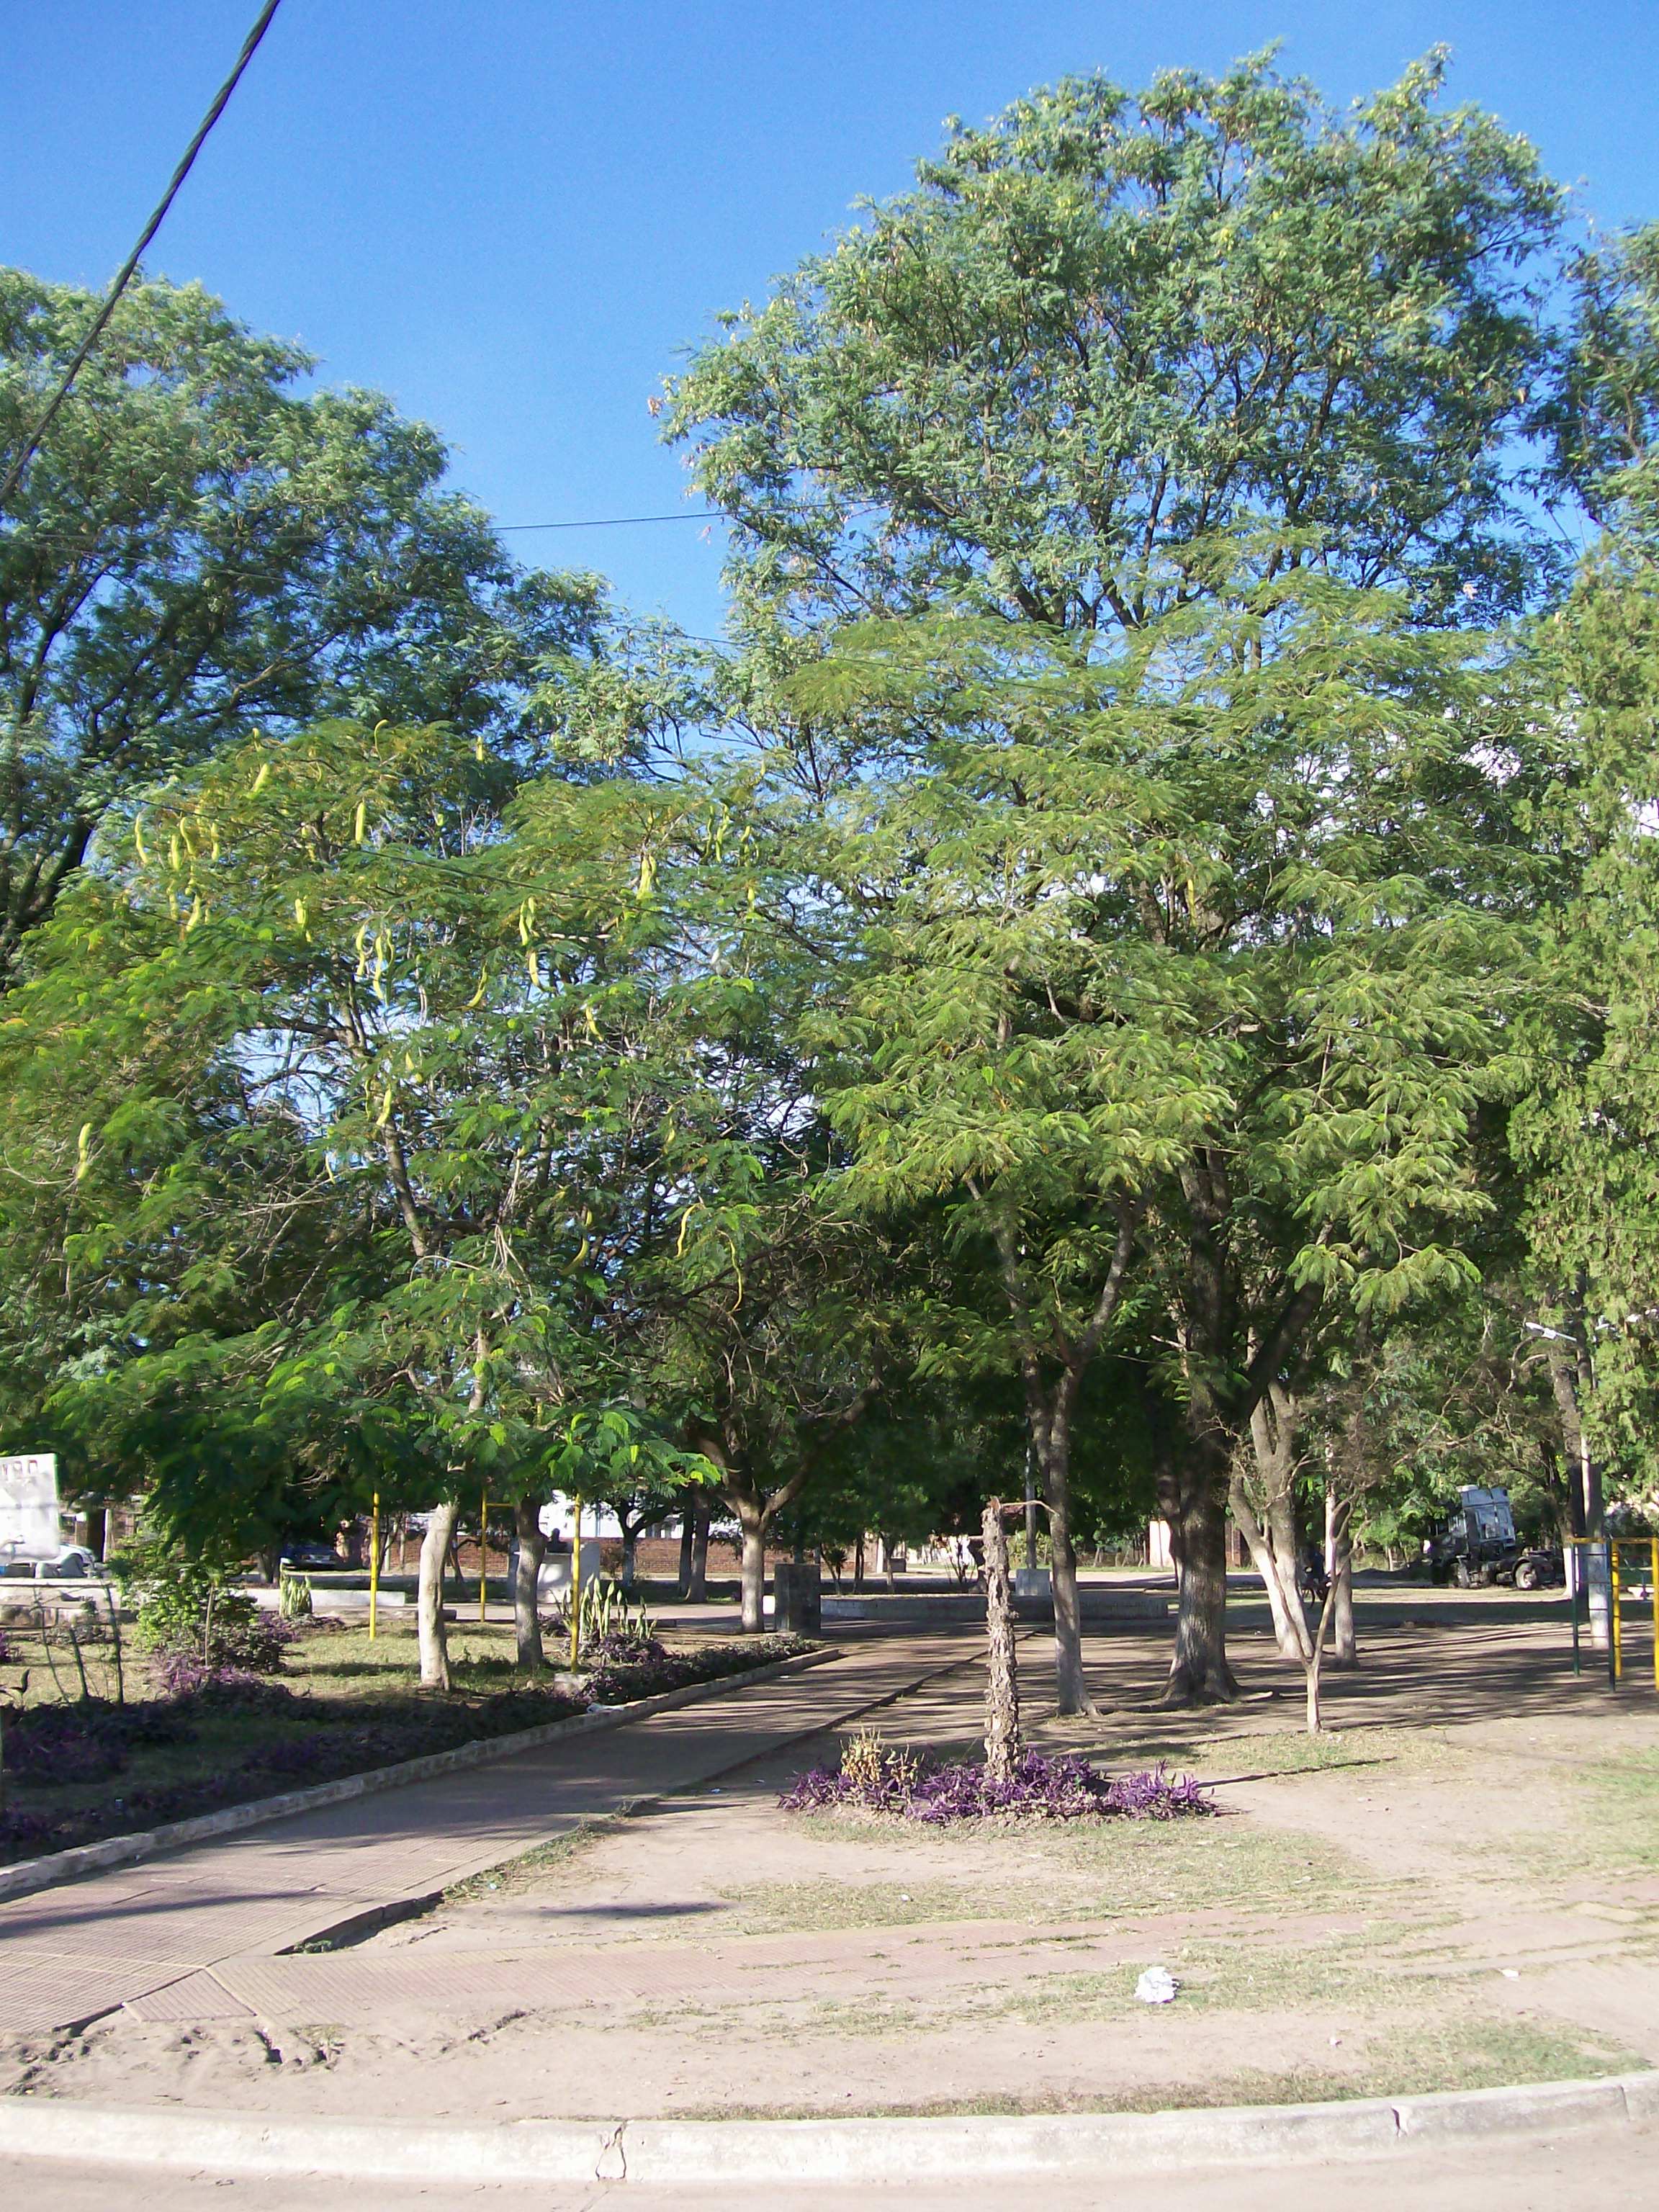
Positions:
{"x": 201, "y": 1934}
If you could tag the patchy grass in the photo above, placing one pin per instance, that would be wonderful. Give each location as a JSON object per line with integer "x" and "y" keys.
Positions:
{"x": 1086, "y": 1869}
{"x": 1413, "y": 2062}
{"x": 515, "y": 1877}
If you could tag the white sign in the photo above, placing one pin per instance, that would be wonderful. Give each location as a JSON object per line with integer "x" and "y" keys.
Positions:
{"x": 28, "y": 1506}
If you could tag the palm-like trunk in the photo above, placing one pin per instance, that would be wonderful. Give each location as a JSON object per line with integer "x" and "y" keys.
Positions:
{"x": 1001, "y": 1675}
{"x": 429, "y": 1613}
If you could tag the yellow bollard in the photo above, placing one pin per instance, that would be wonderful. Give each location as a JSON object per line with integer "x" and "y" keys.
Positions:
{"x": 373, "y": 1564}
{"x": 576, "y": 1584}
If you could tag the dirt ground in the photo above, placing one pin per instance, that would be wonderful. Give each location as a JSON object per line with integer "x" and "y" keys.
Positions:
{"x": 1459, "y": 1885}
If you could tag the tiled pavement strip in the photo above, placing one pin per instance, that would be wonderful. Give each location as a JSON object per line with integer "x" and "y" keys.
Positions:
{"x": 198, "y": 1935}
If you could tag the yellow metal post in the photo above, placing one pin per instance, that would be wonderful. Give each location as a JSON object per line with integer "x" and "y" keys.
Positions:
{"x": 484, "y": 1557}
{"x": 1614, "y": 1631}
{"x": 575, "y": 1584}
{"x": 374, "y": 1564}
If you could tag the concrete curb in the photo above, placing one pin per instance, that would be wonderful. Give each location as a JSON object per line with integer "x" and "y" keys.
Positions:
{"x": 29, "y": 1874}
{"x": 689, "y": 2153}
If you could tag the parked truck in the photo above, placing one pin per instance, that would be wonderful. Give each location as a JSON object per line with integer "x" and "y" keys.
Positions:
{"x": 1477, "y": 1543}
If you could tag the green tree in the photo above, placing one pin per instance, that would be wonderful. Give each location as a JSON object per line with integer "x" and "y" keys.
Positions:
{"x": 1178, "y": 983}
{"x": 1108, "y": 325}
{"x": 201, "y": 548}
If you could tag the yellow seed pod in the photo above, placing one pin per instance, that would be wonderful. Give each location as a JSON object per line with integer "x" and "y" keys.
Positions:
{"x": 83, "y": 1150}
{"x": 592, "y": 1026}
{"x": 138, "y": 840}
{"x": 260, "y": 781}
{"x": 647, "y": 874}
{"x": 384, "y": 1114}
{"x": 533, "y": 963}
{"x": 300, "y": 912}
{"x": 173, "y": 850}
{"x": 361, "y": 822}
{"x": 477, "y": 997}
{"x": 194, "y": 913}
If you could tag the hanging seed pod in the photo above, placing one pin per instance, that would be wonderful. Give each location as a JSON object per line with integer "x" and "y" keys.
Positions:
{"x": 359, "y": 826}
{"x": 260, "y": 781}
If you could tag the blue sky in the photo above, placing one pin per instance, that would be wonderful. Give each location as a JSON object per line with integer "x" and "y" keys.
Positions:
{"x": 515, "y": 216}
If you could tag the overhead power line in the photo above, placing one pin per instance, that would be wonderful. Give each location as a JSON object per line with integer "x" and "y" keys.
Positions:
{"x": 615, "y": 521}
{"x": 30, "y": 444}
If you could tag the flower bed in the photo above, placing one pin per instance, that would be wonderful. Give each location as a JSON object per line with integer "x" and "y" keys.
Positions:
{"x": 872, "y": 1778}
{"x": 234, "y": 1736}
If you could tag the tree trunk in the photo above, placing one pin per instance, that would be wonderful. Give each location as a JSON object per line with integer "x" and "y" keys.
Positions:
{"x": 887, "y": 1562}
{"x": 858, "y": 1562}
{"x": 1315, "y": 1661}
{"x": 683, "y": 1583}
{"x": 1339, "y": 1565}
{"x": 753, "y": 1525}
{"x": 696, "y": 1587}
{"x": 526, "y": 1583}
{"x": 1278, "y": 1571}
{"x": 1070, "y": 1690}
{"x": 1200, "y": 1673}
{"x": 429, "y": 1612}
{"x": 1001, "y": 1673}
{"x": 630, "y": 1544}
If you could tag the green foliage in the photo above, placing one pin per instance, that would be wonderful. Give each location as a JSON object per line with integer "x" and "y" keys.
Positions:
{"x": 1107, "y": 325}
{"x": 199, "y": 549}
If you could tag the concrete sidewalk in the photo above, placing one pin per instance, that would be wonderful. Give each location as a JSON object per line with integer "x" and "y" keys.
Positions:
{"x": 179, "y": 1937}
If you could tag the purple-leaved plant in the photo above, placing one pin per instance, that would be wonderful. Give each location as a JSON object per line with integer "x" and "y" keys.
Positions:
{"x": 1063, "y": 1787}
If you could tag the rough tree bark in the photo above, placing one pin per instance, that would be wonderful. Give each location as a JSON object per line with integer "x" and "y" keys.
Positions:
{"x": 1196, "y": 1506}
{"x": 526, "y": 1581}
{"x": 429, "y": 1609}
{"x": 1002, "y": 1745}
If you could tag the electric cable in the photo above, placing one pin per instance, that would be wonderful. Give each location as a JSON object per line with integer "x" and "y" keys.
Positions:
{"x": 30, "y": 444}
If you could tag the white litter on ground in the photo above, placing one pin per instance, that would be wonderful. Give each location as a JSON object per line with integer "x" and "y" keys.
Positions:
{"x": 1157, "y": 1986}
